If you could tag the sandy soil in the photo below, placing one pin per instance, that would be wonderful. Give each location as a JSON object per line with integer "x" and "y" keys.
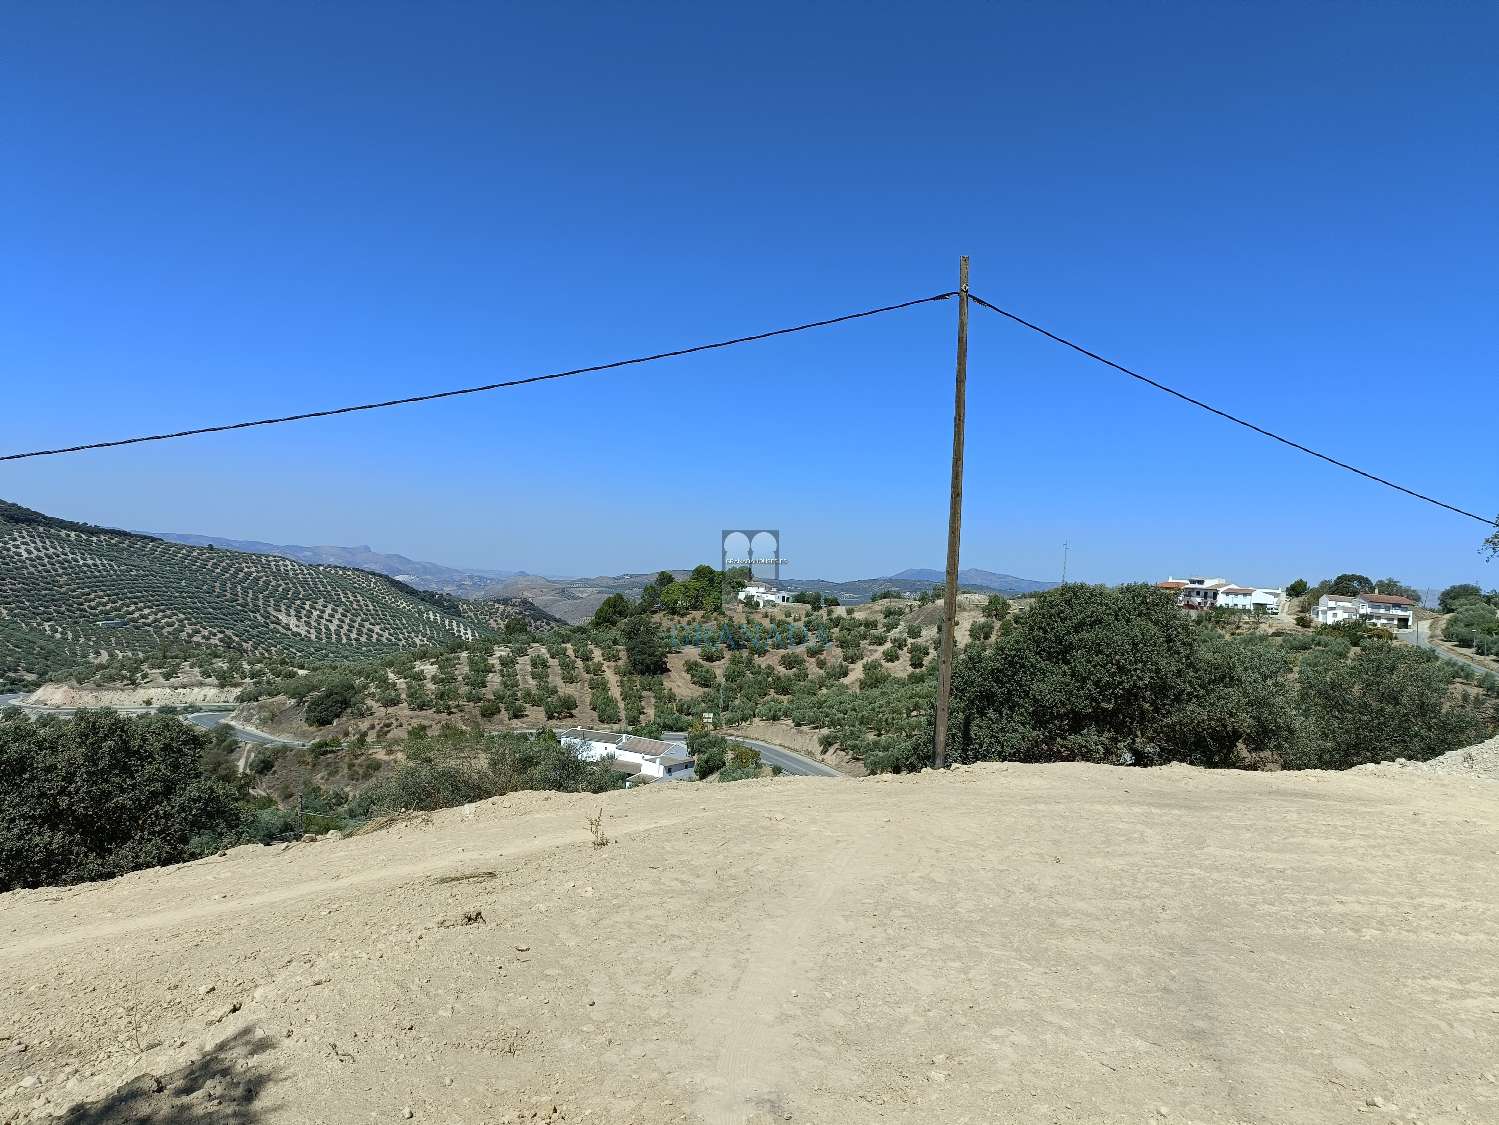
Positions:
{"x": 994, "y": 944}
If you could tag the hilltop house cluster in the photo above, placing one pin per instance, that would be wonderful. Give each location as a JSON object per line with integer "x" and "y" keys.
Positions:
{"x": 1200, "y": 594}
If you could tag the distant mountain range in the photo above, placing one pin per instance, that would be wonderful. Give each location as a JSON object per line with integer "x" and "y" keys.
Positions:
{"x": 574, "y": 599}
{"x": 979, "y": 579}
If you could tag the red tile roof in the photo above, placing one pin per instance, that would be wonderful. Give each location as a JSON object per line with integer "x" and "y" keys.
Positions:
{"x": 1387, "y": 599}
{"x": 1171, "y": 585}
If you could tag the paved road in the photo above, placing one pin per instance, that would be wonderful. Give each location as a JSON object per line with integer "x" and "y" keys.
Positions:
{"x": 772, "y": 755}
{"x": 1420, "y": 636}
{"x": 205, "y": 719}
{"x": 210, "y": 719}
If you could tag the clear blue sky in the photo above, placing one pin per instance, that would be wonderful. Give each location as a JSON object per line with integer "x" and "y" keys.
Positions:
{"x": 217, "y": 211}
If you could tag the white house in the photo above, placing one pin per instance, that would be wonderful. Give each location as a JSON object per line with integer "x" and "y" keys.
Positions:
{"x": 1388, "y": 611}
{"x": 1273, "y": 598}
{"x": 1196, "y": 593}
{"x": 647, "y": 757}
{"x": 1210, "y": 593}
{"x": 1237, "y": 597}
{"x": 1333, "y": 608}
{"x": 764, "y": 595}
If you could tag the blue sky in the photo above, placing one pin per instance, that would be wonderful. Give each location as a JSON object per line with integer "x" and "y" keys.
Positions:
{"x": 213, "y": 212}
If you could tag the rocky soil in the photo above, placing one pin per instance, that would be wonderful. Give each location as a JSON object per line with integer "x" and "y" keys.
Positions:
{"x": 152, "y": 695}
{"x": 1479, "y": 762}
{"x": 992, "y": 944}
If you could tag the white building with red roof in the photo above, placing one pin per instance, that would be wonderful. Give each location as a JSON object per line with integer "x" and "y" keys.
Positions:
{"x": 1387, "y": 611}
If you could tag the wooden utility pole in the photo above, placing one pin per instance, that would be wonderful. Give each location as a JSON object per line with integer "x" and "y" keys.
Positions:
{"x": 954, "y": 523}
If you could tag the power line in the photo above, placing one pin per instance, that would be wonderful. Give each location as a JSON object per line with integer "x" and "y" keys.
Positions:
{"x": 1230, "y": 417}
{"x": 486, "y": 387}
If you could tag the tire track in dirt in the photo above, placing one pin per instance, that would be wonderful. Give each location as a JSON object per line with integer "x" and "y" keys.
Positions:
{"x": 752, "y": 1049}
{"x": 484, "y": 845}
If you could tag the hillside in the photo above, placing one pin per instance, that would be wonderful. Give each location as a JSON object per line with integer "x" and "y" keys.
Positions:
{"x": 414, "y": 572}
{"x": 1047, "y": 944}
{"x": 815, "y": 694}
{"x": 70, "y": 593}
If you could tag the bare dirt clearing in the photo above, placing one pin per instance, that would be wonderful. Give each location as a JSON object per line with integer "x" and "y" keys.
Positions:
{"x": 1017, "y": 944}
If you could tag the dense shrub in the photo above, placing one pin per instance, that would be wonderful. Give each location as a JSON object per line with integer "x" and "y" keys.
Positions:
{"x": 1118, "y": 675}
{"x": 1121, "y": 676}
{"x": 329, "y": 705}
{"x": 460, "y": 767}
{"x": 1385, "y": 701}
{"x": 709, "y": 751}
{"x": 1474, "y": 624}
{"x": 98, "y": 794}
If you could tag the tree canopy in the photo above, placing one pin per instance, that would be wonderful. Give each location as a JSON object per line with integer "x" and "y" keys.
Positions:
{"x": 1120, "y": 675}
{"x": 645, "y": 647}
{"x": 1454, "y": 596}
{"x": 1351, "y": 585}
{"x": 96, "y": 795}
{"x": 612, "y": 610}
{"x": 1093, "y": 673}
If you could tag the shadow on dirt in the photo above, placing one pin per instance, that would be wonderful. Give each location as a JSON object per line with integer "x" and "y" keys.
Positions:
{"x": 221, "y": 1088}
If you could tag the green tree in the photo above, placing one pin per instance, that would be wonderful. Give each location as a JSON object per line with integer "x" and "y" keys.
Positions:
{"x": 709, "y": 752}
{"x": 1386, "y": 701}
{"x": 329, "y": 705}
{"x": 612, "y": 610}
{"x": 1115, "y": 675}
{"x": 1351, "y": 585}
{"x": 997, "y": 608}
{"x": 1298, "y": 588}
{"x": 645, "y": 647}
{"x": 97, "y": 795}
{"x": 1453, "y": 596}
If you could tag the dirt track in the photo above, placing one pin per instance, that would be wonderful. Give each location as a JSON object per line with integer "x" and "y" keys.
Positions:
{"x": 1021, "y": 944}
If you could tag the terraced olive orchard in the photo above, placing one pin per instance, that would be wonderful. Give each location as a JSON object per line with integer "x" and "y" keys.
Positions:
{"x": 73, "y": 595}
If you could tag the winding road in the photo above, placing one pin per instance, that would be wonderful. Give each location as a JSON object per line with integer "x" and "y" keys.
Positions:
{"x": 207, "y": 720}
{"x": 1420, "y": 636}
{"x": 788, "y": 761}
{"x": 772, "y": 755}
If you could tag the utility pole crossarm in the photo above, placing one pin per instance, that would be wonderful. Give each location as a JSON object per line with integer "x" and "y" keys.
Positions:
{"x": 954, "y": 524}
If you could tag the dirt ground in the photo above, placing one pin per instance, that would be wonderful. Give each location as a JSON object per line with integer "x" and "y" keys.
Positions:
{"x": 992, "y": 944}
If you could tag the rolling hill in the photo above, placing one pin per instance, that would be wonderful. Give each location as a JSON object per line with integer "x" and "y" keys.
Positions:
{"x": 573, "y": 600}
{"x": 73, "y": 593}
{"x": 414, "y": 572}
